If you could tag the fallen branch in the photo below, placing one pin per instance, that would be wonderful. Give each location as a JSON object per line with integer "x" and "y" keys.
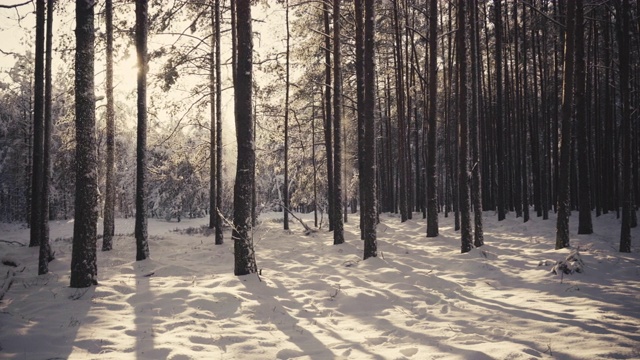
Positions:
{"x": 11, "y": 242}
{"x": 308, "y": 230}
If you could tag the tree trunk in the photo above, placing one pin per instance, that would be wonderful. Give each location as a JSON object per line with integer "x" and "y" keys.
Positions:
{"x": 476, "y": 168}
{"x": 218, "y": 205}
{"x": 499, "y": 121}
{"x": 84, "y": 266}
{"x": 562, "y": 227}
{"x": 328, "y": 119}
{"x": 245, "y": 262}
{"x": 46, "y": 255}
{"x": 523, "y": 121}
{"x": 338, "y": 228}
{"x": 369, "y": 177}
{"x": 463, "y": 132}
{"x": 110, "y": 186}
{"x": 400, "y": 98}
{"x": 285, "y": 190}
{"x": 431, "y": 179}
{"x": 622, "y": 22}
{"x": 359, "y": 64}
{"x": 38, "y": 128}
{"x": 142, "y": 242}
{"x": 585, "y": 225}
{"x": 213, "y": 211}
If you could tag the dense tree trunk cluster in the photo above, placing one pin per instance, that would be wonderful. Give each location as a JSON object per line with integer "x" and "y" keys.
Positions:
{"x": 403, "y": 106}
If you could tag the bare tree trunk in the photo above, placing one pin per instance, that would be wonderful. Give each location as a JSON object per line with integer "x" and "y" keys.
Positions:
{"x": 585, "y": 226}
{"x": 142, "y": 241}
{"x": 285, "y": 190}
{"x": 46, "y": 255}
{"x": 466, "y": 233}
{"x": 213, "y": 211}
{"x": 84, "y": 266}
{"x": 338, "y": 228}
{"x": 562, "y": 227}
{"x": 432, "y": 184}
{"x": 359, "y": 64}
{"x": 476, "y": 168}
{"x": 245, "y": 262}
{"x": 110, "y": 186}
{"x": 500, "y": 153}
{"x": 400, "y": 98}
{"x": 38, "y": 128}
{"x": 218, "y": 205}
{"x": 370, "y": 176}
{"x": 328, "y": 119}
{"x": 622, "y": 22}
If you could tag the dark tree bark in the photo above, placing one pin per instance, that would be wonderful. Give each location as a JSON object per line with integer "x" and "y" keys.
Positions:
{"x": 338, "y": 226}
{"x": 110, "y": 186}
{"x": 84, "y": 266}
{"x": 328, "y": 119}
{"x": 402, "y": 127}
{"x": 245, "y": 262}
{"x": 564, "y": 205}
{"x": 213, "y": 211}
{"x": 499, "y": 121}
{"x": 585, "y": 225}
{"x": 313, "y": 161}
{"x": 431, "y": 179}
{"x": 524, "y": 123}
{"x": 622, "y": 22}
{"x": 359, "y": 64}
{"x": 476, "y": 168}
{"x": 285, "y": 190}
{"x": 466, "y": 233}
{"x": 142, "y": 241}
{"x": 218, "y": 220}
{"x": 215, "y": 88}
{"x": 369, "y": 164}
{"x": 38, "y": 129}
{"x": 46, "y": 255}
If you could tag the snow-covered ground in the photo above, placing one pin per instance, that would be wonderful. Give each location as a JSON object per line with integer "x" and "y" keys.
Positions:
{"x": 420, "y": 299}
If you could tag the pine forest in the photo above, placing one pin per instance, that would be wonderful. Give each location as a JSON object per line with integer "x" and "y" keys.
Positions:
{"x": 319, "y": 179}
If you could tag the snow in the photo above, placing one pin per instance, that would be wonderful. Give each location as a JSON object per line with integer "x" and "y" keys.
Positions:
{"x": 420, "y": 299}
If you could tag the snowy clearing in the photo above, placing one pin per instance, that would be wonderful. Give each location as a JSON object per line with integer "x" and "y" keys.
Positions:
{"x": 420, "y": 299}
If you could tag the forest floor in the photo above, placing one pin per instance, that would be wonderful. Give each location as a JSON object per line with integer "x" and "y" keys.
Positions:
{"x": 419, "y": 299}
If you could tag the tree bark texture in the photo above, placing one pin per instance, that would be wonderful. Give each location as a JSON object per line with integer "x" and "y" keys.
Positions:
{"x": 564, "y": 205}
{"x": 369, "y": 164}
{"x": 84, "y": 266}
{"x": 141, "y": 234}
{"x": 242, "y": 236}
{"x": 431, "y": 179}
{"x": 110, "y": 186}
{"x": 338, "y": 226}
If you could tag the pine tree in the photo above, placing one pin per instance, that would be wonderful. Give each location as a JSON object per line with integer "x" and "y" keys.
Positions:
{"x": 622, "y": 22}
{"x": 585, "y": 225}
{"x": 245, "y": 262}
{"x": 38, "y": 128}
{"x": 466, "y": 233}
{"x": 338, "y": 225}
{"x": 562, "y": 227}
{"x": 110, "y": 186}
{"x": 46, "y": 254}
{"x": 84, "y": 266}
{"x": 370, "y": 175}
{"x": 431, "y": 179}
{"x": 142, "y": 241}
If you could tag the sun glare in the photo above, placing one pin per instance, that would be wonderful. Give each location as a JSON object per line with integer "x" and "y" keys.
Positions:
{"x": 125, "y": 72}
